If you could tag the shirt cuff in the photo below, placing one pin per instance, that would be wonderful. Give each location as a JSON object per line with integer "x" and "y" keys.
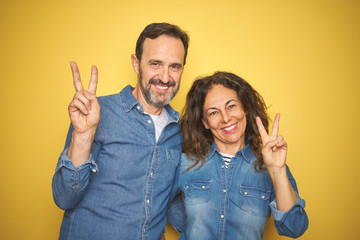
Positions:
{"x": 65, "y": 162}
{"x": 278, "y": 215}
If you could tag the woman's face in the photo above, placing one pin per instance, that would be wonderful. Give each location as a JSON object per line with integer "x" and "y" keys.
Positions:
{"x": 225, "y": 117}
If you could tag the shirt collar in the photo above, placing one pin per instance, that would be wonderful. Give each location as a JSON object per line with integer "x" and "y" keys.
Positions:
{"x": 246, "y": 152}
{"x": 128, "y": 102}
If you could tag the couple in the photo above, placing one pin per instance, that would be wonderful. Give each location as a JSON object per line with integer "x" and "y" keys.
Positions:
{"x": 127, "y": 157}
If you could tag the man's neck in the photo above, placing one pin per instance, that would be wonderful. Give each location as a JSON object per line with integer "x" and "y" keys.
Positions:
{"x": 148, "y": 108}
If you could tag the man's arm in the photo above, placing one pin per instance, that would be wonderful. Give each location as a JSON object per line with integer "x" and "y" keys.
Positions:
{"x": 84, "y": 112}
{"x": 175, "y": 212}
{"x": 76, "y": 163}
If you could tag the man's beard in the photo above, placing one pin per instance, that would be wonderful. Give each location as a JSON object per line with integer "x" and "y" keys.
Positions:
{"x": 150, "y": 95}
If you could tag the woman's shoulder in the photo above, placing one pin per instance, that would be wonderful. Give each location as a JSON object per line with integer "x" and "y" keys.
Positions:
{"x": 185, "y": 160}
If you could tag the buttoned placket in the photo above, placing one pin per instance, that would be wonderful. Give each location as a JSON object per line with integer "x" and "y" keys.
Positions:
{"x": 150, "y": 176}
{"x": 226, "y": 178}
{"x": 224, "y": 197}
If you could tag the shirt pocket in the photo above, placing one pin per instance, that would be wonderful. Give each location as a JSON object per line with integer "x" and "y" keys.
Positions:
{"x": 172, "y": 162}
{"x": 196, "y": 191}
{"x": 255, "y": 200}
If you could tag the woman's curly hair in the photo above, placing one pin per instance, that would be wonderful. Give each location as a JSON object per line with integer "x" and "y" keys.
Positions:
{"x": 197, "y": 139}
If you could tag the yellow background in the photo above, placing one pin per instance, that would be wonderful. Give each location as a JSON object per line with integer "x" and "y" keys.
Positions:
{"x": 302, "y": 56}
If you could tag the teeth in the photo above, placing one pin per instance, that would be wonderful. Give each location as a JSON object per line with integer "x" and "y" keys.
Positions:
{"x": 230, "y": 128}
{"x": 161, "y": 87}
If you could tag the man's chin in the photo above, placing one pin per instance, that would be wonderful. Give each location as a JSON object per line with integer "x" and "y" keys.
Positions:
{"x": 160, "y": 102}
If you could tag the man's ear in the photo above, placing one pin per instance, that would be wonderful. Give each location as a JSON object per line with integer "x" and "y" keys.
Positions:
{"x": 135, "y": 63}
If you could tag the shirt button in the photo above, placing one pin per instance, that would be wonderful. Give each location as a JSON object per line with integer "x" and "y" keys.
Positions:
{"x": 144, "y": 230}
{"x": 203, "y": 187}
{"x": 151, "y": 174}
{"x": 187, "y": 187}
{"x": 222, "y": 166}
{"x": 147, "y": 201}
{"x": 138, "y": 107}
{"x": 222, "y": 216}
{"x": 94, "y": 170}
{"x": 263, "y": 197}
{"x": 245, "y": 193}
{"x": 224, "y": 190}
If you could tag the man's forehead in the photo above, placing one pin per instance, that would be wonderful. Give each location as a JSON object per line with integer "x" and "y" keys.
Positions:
{"x": 164, "y": 39}
{"x": 156, "y": 49}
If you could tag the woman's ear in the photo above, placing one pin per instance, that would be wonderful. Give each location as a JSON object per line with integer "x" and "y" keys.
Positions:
{"x": 205, "y": 123}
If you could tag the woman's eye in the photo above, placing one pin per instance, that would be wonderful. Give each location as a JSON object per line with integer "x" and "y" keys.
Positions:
{"x": 213, "y": 113}
{"x": 232, "y": 106}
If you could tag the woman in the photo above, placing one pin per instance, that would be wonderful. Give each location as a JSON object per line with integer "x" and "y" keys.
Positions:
{"x": 233, "y": 174}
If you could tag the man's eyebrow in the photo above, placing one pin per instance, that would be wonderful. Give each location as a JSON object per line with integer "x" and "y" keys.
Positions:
{"x": 155, "y": 60}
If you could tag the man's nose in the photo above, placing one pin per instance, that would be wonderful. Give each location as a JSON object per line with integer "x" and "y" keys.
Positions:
{"x": 164, "y": 75}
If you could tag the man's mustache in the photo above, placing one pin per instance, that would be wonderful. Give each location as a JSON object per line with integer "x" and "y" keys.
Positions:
{"x": 158, "y": 81}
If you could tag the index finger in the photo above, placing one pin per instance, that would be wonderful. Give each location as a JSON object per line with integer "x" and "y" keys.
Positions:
{"x": 275, "y": 129}
{"x": 76, "y": 76}
{"x": 261, "y": 128}
{"x": 93, "y": 80}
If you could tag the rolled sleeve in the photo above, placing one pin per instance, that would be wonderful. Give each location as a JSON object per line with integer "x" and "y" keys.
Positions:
{"x": 292, "y": 223}
{"x": 69, "y": 182}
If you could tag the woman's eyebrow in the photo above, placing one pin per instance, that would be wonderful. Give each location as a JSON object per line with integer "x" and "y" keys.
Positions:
{"x": 215, "y": 108}
{"x": 231, "y": 100}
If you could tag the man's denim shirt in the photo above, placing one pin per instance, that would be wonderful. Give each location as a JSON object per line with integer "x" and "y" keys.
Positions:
{"x": 234, "y": 202}
{"x": 125, "y": 190}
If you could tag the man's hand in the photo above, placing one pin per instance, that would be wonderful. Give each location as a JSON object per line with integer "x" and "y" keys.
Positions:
{"x": 84, "y": 109}
{"x": 84, "y": 112}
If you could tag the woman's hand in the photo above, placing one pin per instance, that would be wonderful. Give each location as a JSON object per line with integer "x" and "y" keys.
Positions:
{"x": 274, "y": 154}
{"x": 274, "y": 149}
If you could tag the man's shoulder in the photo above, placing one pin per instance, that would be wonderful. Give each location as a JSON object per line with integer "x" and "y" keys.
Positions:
{"x": 109, "y": 99}
{"x": 116, "y": 96}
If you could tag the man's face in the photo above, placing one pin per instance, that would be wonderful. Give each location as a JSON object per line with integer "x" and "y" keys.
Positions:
{"x": 160, "y": 69}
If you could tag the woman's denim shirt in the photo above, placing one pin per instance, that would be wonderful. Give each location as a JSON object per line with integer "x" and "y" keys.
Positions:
{"x": 125, "y": 190}
{"x": 234, "y": 202}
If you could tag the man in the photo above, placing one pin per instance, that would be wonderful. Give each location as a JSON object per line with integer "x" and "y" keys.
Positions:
{"x": 116, "y": 178}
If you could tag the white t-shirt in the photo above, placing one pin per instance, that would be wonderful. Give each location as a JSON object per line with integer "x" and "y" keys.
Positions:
{"x": 160, "y": 122}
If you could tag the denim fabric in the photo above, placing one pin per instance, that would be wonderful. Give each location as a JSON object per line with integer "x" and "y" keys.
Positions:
{"x": 126, "y": 189}
{"x": 235, "y": 202}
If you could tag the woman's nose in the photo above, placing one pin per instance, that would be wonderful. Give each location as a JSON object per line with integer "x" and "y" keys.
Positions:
{"x": 225, "y": 117}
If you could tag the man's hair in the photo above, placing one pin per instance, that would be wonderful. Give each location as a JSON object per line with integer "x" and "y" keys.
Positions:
{"x": 155, "y": 30}
{"x": 197, "y": 139}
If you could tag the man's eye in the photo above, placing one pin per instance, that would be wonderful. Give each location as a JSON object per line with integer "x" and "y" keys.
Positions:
{"x": 175, "y": 67}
